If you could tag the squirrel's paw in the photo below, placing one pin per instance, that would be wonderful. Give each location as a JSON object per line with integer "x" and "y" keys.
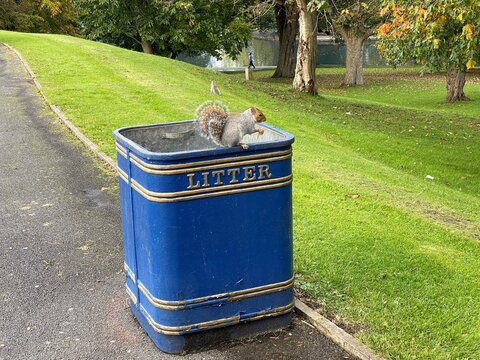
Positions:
{"x": 244, "y": 146}
{"x": 261, "y": 131}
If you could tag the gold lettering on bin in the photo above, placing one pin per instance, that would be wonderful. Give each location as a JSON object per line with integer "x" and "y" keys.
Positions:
{"x": 228, "y": 176}
{"x": 233, "y": 173}
{"x": 205, "y": 179}
{"x": 249, "y": 172}
{"x": 264, "y": 172}
{"x": 218, "y": 173}
{"x": 190, "y": 182}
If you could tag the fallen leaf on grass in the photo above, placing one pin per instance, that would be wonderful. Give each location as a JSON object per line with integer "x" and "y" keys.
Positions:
{"x": 352, "y": 196}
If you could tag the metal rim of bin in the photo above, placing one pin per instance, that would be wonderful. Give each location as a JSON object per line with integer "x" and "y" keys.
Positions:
{"x": 149, "y": 155}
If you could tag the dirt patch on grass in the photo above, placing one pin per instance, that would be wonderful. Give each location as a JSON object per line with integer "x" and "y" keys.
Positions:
{"x": 450, "y": 220}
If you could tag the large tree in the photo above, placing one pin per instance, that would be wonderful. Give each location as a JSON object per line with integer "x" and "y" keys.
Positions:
{"x": 304, "y": 80}
{"x": 442, "y": 35}
{"x": 169, "y": 27}
{"x": 286, "y": 16}
{"x": 355, "y": 21}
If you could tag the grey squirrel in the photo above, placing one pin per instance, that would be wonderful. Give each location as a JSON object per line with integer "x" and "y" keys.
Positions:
{"x": 227, "y": 128}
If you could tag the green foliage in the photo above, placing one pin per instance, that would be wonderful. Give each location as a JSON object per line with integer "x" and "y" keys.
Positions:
{"x": 438, "y": 34}
{"x": 358, "y": 17}
{"x": 18, "y": 16}
{"x": 46, "y": 16}
{"x": 192, "y": 27}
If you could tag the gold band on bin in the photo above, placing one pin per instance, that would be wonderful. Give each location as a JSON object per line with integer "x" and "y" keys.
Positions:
{"x": 176, "y": 194}
{"x": 121, "y": 150}
{"x": 230, "y": 296}
{"x": 179, "y": 330}
{"x": 271, "y": 185}
{"x": 132, "y": 295}
{"x": 129, "y": 271}
{"x": 122, "y": 174}
{"x": 209, "y": 164}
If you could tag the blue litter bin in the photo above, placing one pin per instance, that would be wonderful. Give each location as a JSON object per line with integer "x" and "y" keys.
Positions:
{"x": 207, "y": 231}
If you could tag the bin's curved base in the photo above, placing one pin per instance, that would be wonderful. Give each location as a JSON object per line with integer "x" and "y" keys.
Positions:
{"x": 176, "y": 344}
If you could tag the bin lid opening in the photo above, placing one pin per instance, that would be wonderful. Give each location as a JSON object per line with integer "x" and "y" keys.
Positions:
{"x": 184, "y": 136}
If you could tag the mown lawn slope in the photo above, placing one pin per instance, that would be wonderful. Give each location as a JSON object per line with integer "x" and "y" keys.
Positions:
{"x": 379, "y": 247}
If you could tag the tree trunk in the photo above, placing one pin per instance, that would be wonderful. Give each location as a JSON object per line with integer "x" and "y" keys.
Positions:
{"x": 455, "y": 84}
{"x": 286, "y": 15}
{"x": 147, "y": 46}
{"x": 354, "y": 64}
{"x": 304, "y": 80}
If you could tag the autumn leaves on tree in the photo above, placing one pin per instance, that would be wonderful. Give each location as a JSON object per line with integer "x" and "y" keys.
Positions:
{"x": 441, "y": 35}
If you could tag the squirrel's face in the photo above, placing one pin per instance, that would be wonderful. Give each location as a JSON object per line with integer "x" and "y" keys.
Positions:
{"x": 259, "y": 117}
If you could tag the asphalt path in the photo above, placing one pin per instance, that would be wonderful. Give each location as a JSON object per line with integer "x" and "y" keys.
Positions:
{"x": 62, "y": 293}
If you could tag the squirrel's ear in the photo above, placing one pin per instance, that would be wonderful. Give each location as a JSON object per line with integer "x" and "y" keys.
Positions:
{"x": 258, "y": 114}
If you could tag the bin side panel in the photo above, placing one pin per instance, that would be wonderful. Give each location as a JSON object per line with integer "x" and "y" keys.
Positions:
{"x": 216, "y": 245}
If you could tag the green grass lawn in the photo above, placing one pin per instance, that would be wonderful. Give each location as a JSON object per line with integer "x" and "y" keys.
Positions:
{"x": 404, "y": 87}
{"x": 380, "y": 248}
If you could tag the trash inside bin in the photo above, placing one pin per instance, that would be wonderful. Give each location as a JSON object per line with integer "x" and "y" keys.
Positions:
{"x": 207, "y": 231}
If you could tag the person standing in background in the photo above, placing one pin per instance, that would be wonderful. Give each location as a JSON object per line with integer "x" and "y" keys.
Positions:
{"x": 250, "y": 61}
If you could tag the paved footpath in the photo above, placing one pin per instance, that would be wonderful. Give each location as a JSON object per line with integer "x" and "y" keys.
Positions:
{"x": 62, "y": 292}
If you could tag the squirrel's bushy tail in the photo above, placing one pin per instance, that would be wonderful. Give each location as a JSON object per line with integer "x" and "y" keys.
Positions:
{"x": 211, "y": 117}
